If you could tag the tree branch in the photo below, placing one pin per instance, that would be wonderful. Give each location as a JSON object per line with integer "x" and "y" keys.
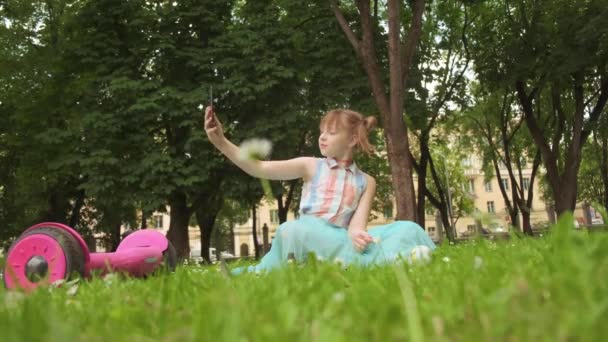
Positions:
{"x": 345, "y": 27}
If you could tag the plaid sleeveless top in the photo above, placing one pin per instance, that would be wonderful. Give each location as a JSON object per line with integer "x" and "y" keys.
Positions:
{"x": 334, "y": 192}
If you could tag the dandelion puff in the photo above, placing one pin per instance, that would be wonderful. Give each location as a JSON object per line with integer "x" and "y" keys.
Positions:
{"x": 255, "y": 149}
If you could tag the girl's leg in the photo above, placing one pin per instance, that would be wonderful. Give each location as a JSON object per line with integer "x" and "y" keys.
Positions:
{"x": 395, "y": 240}
{"x": 300, "y": 237}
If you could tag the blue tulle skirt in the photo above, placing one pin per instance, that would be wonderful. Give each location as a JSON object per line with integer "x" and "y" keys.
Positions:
{"x": 297, "y": 239}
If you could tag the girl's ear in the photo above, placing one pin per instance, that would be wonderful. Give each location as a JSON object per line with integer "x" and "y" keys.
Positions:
{"x": 353, "y": 141}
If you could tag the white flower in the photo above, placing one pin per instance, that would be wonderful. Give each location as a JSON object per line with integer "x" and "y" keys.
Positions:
{"x": 109, "y": 278}
{"x": 419, "y": 254}
{"x": 478, "y": 262}
{"x": 12, "y": 299}
{"x": 72, "y": 290}
{"x": 338, "y": 297}
{"x": 446, "y": 259}
{"x": 339, "y": 261}
{"x": 255, "y": 149}
{"x": 377, "y": 240}
{"x": 57, "y": 283}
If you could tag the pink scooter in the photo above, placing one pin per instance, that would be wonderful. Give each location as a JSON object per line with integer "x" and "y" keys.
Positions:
{"x": 48, "y": 252}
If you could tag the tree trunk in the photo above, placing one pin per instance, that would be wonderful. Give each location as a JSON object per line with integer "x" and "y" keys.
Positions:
{"x": 564, "y": 184}
{"x": 284, "y": 205}
{"x": 144, "y": 219}
{"x": 421, "y": 170}
{"x": 114, "y": 238}
{"x": 440, "y": 203}
{"x": 256, "y": 243}
{"x": 604, "y": 170}
{"x": 206, "y": 214}
{"x": 206, "y": 222}
{"x": 526, "y": 226}
{"x": 75, "y": 216}
{"x": 178, "y": 226}
{"x": 391, "y": 110}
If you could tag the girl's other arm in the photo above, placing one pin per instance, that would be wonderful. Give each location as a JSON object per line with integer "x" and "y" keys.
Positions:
{"x": 303, "y": 167}
{"x": 358, "y": 223}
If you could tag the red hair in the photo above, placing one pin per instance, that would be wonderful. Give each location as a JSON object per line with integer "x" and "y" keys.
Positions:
{"x": 354, "y": 122}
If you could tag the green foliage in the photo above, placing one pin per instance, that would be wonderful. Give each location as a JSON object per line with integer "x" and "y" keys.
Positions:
{"x": 451, "y": 171}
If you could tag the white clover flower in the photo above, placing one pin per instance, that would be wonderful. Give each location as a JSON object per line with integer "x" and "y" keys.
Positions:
{"x": 420, "y": 254}
{"x": 255, "y": 149}
{"x": 72, "y": 290}
{"x": 338, "y": 297}
{"x": 478, "y": 262}
{"x": 57, "y": 283}
{"x": 446, "y": 259}
{"x": 109, "y": 278}
{"x": 339, "y": 261}
{"x": 12, "y": 299}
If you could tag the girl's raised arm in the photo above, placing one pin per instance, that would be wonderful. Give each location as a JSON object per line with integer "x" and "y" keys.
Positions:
{"x": 302, "y": 167}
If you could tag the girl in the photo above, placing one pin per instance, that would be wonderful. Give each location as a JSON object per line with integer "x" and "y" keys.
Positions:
{"x": 336, "y": 199}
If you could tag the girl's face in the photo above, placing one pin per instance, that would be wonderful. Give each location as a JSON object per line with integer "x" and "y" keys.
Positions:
{"x": 335, "y": 142}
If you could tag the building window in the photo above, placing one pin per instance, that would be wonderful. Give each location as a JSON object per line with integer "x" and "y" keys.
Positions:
{"x": 526, "y": 183}
{"x": 470, "y": 186}
{"x": 467, "y": 161}
{"x": 488, "y": 186}
{"x": 388, "y": 212}
{"x": 244, "y": 250}
{"x": 274, "y": 216}
{"x": 471, "y": 228}
{"x": 505, "y": 183}
{"x": 491, "y": 207}
{"x": 158, "y": 221}
{"x": 431, "y": 229}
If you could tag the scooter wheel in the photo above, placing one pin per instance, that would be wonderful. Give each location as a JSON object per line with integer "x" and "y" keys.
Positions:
{"x": 43, "y": 255}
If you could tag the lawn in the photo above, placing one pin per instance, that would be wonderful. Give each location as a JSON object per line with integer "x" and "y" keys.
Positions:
{"x": 547, "y": 288}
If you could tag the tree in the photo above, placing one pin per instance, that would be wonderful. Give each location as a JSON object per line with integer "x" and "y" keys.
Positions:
{"x": 498, "y": 135}
{"x": 554, "y": 55}
{"x": 42, "y": 133}
{"x": 390, "y": 105}
{"x": 437, "y": 88}
{"x": 593, "y": 185}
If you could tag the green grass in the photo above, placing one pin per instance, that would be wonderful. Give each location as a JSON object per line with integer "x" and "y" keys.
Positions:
{"x": 551, "y": 288}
